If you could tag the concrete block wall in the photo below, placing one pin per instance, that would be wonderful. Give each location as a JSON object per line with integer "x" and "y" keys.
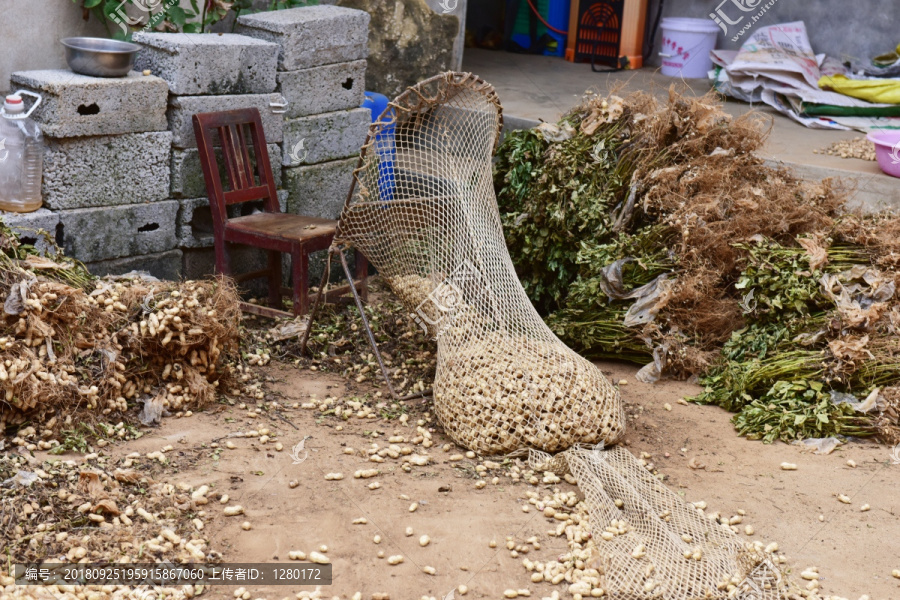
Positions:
{"x": 78, "y": 105}
{"x": 321, "y": 73}
{"x": 311, "y": 36}
{"x": 200, "y": 64}
{"x": 209, "y": 73}
{"x": 122, "y": 183}
{"x": 187, "y": 174}
{"x": 27, "y": 224}
{"x": 106, "y": 170}
{"x": 323, "y": 89}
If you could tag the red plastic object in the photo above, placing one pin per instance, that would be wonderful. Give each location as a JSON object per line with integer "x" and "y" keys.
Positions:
{"x": 271, "y": 229}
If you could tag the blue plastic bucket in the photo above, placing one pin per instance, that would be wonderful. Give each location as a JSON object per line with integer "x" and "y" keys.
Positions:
{"x": 383, "y": 145}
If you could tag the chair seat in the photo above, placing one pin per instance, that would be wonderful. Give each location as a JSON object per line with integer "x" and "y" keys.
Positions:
{"x": 244, "y": 157}
{"x": 281, "y": 227}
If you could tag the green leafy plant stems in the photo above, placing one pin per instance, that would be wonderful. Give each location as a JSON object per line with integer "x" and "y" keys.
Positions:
{"x": 170, "y": 15}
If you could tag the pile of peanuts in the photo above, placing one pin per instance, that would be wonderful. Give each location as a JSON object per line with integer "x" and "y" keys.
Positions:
{"x": 411, "y": 289}
{"x": 120, "y": 525}
{"x": 500, "y": 393}
{"x": 858, "y": 147}
{"x": 102, "y": 350}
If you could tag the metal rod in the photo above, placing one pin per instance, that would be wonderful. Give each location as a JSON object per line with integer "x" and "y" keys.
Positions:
{"x": 422, "y": 395}
{"x": 362, "y": 314}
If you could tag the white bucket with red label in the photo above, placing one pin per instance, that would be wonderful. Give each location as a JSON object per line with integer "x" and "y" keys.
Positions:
{"x": 686, "y": 44}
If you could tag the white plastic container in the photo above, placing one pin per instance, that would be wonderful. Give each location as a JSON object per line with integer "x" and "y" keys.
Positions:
{"x": 686, "y": 44}
{"x": 21, "y": 156}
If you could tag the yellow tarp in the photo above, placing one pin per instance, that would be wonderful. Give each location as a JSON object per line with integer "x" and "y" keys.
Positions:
{"x": 883, "y": 91}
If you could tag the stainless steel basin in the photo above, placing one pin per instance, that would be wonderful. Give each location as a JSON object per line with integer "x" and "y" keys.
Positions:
{"x": 100, "y": 57}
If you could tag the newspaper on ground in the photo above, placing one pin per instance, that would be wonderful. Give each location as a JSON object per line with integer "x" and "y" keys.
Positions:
{"x": 777, "y": 66}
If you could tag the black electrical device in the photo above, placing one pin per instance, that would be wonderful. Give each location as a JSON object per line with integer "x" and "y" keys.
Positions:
{"x": 599, "y": 36}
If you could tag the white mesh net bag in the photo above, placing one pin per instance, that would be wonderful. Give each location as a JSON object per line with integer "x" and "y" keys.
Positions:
{"x": 425, "y": 215}
{"x": 647, "y": 542}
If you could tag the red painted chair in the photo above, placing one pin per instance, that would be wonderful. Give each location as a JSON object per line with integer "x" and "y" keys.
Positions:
{"x": 271, "y": 229}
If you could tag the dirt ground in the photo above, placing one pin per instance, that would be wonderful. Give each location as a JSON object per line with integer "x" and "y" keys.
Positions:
{"x": 854, "y": 550}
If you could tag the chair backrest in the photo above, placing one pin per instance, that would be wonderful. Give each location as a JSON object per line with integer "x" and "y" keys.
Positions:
{"x": 245, "y": 181}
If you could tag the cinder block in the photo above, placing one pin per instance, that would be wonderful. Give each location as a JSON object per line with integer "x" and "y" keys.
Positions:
{"x": 195, "y": 225}
{"x": 75, "y": 105}
{"x": 162, "y": 265}
{"x": 26, "y": 225}
{"x": 187, "y": 175}
{"x": 95, "y": 234}
{"x": 182, "y": 108}
{"x": 323, "y": 89}
{"x": 203, "y": 63}
{"x": 320, "y": 138}
{"x": 319, "y": 190}
{"x": 311, "y": 36}
{"x": 106, "y": 170}
{"x": 200, "y": 263}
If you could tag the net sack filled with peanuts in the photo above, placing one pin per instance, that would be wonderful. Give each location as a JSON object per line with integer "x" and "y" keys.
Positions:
{"x": 424, "y": 213}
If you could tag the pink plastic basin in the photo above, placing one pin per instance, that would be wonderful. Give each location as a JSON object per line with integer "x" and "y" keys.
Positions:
{"x": 887, "y": 150}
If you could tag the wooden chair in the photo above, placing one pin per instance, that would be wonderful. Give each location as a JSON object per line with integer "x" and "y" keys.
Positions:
{"x": 271, "y": 229}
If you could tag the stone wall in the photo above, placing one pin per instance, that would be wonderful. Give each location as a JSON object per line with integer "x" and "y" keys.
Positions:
{"x": 410, "y": 41}
{"x": 321, "y": 73}
{"x": 106, "y": 166}
{"x": 122, "y": 183}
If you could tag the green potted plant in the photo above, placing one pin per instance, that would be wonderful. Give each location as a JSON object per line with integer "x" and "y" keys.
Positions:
{"x": 123, "y": 17}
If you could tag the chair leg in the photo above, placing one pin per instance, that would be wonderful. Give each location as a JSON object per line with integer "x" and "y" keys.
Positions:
{"x": 300, "y": 277}
{"x": 362, "y": 273}
{"x": 222, "y": 263}
{"x": 275, "y": 280}
{"x": 318, "y": 301}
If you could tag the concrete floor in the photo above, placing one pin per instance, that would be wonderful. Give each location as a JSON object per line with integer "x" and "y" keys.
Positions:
{"x": 542, "y": 88}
